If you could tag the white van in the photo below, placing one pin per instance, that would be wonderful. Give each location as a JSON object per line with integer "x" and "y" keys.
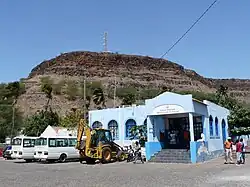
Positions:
{"x": 23, "y": 147}
{"x": 56, "y": 148}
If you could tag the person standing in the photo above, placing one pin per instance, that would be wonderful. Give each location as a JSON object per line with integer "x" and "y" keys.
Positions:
{"x": 243, "y": 151}
{"x": 137, "y": 152}
{"x": 238, "y": 151}
{"x": 228, "y": 150}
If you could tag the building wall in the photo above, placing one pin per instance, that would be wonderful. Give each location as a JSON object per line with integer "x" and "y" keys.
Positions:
{"x": 120, "y": 115}
{"x": 216, "y": 142}
{"x": 170, "y": 98}
{"x": 212, "y": 147}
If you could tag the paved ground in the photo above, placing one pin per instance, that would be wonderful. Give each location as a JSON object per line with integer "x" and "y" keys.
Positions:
{"x": 74, "y": 174}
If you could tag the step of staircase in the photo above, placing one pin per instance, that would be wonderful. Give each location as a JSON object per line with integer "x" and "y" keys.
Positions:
{"x": 172, "y": 156}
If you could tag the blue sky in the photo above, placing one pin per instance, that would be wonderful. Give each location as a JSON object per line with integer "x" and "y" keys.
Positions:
{"x": 32, "y": 31}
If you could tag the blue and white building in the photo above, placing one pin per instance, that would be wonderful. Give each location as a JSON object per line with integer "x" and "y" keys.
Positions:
{"x": 170, "y": 118}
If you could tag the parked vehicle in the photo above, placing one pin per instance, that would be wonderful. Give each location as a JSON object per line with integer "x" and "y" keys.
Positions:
{"x": 56, "y": 148}
{"x": 98, "y": 145}
{"x": 7, "y": 152}
{"x": 23, "y": 148}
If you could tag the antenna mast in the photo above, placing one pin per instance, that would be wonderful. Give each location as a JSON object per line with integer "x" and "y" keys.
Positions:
{"x": 105, "y": 43}
{"x": 115, "y": 93}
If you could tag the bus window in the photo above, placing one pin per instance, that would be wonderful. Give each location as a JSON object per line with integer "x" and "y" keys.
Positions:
{"x": 72, "y": 142}
{"x": 28, "y": 142}
{"x": 41, "y": 141}
{"x": 52, "y": 142}
{"x": 61, "y": 142}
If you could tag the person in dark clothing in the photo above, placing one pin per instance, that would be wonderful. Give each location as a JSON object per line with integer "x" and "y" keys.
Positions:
{"x": 137, "y": 153}
{"x": 243, "y": 151}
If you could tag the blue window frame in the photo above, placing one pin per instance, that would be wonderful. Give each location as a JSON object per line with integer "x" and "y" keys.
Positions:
{"x": 97, "y": 124}
{"x": 216, "y": 127}
{"x": 211, "y": 129}
{"x": 128, "y": 125}
{"x": 113, "y": 127}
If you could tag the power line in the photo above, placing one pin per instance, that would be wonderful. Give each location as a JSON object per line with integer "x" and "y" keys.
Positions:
{"x": 189, "y": 29}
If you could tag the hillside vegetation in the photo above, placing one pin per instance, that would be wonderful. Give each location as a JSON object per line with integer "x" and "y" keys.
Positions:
{"x": 144, "y": 76}
{"x": 53, "y": 92}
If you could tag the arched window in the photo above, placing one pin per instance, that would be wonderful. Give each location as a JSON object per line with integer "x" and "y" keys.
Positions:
{"x": 216, "y": 126}
{"x": 97, "y": 124}
{"x": 113, "y": 127}
{"x": 128, "y": 125}
{"x": 223, "y": 123}
{"x": 211, "y": 129}
{"x": 223, "y": 129}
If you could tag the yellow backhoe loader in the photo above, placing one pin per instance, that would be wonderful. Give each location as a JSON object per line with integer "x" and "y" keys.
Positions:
{"x": 98, "y": 145}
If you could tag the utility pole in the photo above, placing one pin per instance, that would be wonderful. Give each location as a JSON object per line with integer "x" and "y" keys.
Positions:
{"x": 84, "y": 95}
{"x": 115, "y": 93}
{"x": 13, "y": 120}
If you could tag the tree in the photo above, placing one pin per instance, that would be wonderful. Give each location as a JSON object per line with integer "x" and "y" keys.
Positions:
{"x": 72, "y": 118}
{"x": 6, "y": 122}
{"x": 140, "y": 133}
{"x": 239, "y": 118}
{"x": 148, "y": 93}
{"x": 165, "y": 89}
{"x": 8, "y": 97}
{"x": 98, "y": 97}
{"x": 128, "y": 95}
{"x": 37, "y": 123}
{"x": 122, "y": 92}
{"x": 222, "y": 95}
{"x": 92, "y": 88}
{"x": 128, "y": 99}
{"x": 14, "y": 89}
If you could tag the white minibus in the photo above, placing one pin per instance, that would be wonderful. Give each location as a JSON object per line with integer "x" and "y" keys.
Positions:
{"x": 23, "y": 147}
{"x": 56, "y": 148}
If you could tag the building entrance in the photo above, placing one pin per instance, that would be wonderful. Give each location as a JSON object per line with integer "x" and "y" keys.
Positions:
{"x": 178, "y": 133}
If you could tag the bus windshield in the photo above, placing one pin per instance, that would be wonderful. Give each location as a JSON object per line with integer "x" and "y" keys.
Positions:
{"x": 41, "y": 141}
{"x": 17, "y": 141}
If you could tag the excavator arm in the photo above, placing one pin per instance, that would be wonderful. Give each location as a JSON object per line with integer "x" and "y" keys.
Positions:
{"x": 83, "y": 128}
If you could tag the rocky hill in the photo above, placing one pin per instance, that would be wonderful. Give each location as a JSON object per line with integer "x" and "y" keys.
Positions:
{"x": 140, "y": 72}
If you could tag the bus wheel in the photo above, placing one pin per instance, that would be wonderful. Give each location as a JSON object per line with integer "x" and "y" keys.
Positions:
{"x": 62, "y": 158}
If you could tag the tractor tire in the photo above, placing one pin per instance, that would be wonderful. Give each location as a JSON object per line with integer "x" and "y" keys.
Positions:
{"x": 63, "y": 158}
{"x": 106, "y": 155}
{"x": 121, "y": 156}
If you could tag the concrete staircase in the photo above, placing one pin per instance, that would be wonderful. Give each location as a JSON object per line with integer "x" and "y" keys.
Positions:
{"x": 172, "y": 156}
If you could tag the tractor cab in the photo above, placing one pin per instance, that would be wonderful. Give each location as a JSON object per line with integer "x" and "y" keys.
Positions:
{"x": 101, "y": 135}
